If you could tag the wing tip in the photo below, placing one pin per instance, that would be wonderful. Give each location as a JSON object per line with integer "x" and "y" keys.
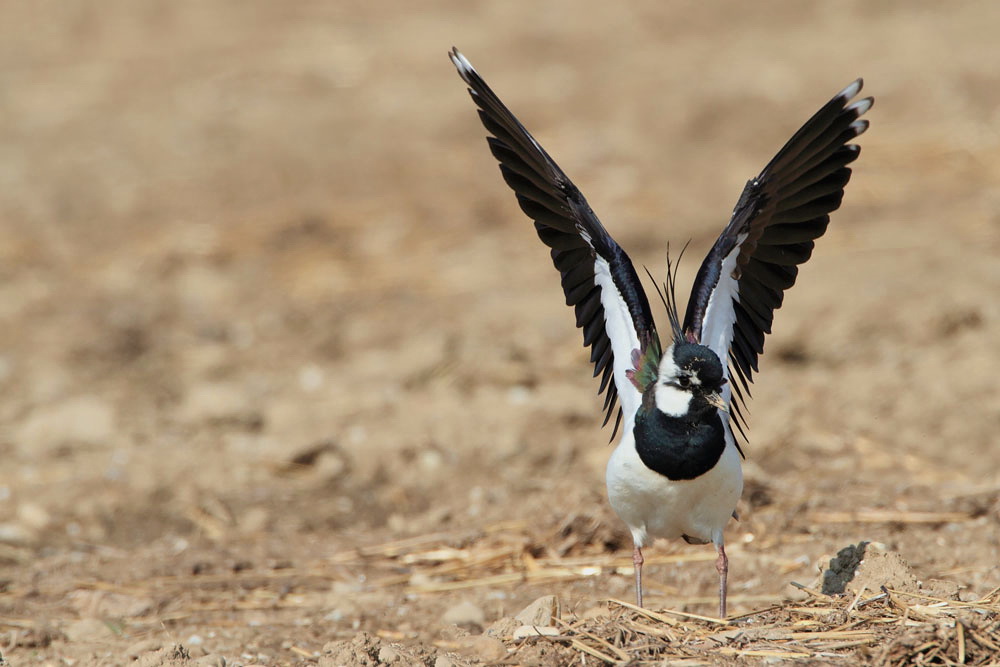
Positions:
{"x": 859, "y": 107}
{"x": 462, "y": 64}
{"x": 862, "y": 106}
{"x": 852, "y": 90}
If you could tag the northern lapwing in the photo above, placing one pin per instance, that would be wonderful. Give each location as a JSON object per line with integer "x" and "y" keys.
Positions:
{"x": 676, "y": 471}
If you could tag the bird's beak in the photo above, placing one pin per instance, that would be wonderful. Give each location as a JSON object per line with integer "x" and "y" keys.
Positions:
{"x": 715, "y": 400}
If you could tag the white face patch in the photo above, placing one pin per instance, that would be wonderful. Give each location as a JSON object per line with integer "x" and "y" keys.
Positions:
{"x": 668, "y": 369}
{"x": 672, "y": 401}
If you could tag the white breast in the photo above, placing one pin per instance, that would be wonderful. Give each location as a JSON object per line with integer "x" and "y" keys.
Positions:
{"x": 654, "y": 506}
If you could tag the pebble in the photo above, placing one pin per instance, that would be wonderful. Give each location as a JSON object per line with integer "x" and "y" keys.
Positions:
{"x": 487, "y": 649}
{"x": 539, "y": 612}
{"x": 172, "y": 654}
{"x": 82, "y": 419}
{"x": 255, "y": 520}
{"x": 388, "y": 655}
{"x": 105, "y": 604}
{"x": 215, "y": 401}
{"x": 34, "y": 516}
{"x": 503, "y": 627}
{"x": 141, "y": 647}
{"x": 343, "y": 610}
{"x": 464, "y": 614}
{"x": 14, "y": 533}
{"x": 88, "y": 630}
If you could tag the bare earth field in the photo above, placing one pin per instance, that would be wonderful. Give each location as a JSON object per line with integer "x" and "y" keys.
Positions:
{"x": 286, "y": 377}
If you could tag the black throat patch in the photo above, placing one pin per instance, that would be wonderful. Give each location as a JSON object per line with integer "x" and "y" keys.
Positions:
{"x": 678, "y": 448}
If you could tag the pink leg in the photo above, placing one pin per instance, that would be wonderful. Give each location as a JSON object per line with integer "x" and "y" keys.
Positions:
{"x": 722, "y": 565}
{"x": 637, "y": 561}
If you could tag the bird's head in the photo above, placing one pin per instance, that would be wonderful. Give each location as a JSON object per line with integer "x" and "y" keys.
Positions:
{"x": 689, "y": 381}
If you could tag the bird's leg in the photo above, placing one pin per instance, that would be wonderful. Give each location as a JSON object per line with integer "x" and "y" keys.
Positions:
{"x": 722, "y": 565}
{"x": 637, "y": 562}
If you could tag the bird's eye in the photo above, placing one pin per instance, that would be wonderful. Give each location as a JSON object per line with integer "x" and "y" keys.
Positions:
{"x": 684, "y": 381}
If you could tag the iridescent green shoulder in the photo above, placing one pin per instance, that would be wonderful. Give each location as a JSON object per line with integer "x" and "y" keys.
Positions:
{"x": 645, "y": 364}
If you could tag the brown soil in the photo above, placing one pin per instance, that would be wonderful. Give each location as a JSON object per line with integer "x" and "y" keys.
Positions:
{"x": 282, "y": 362}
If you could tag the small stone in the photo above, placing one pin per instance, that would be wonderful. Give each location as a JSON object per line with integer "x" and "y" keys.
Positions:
{"x": 14, "y": 533}
{"x": 311, "y": 378}
{"x": 88, "y": 630}
{"x": 142, "y": 647}
{"x": 502, "y": 628}
{"x": 444, "y": 661}
{"x": 430, "y": 460}
{"x": 843, "y": 568}
{"x": 388, "y": 655}
{"x": 343, "y": 610}
{"x": 454, "y": 633}
{"x": 254, "y": 520}
{"x": 34, "y": 516}
{"x": 464, "y": 614}
{"x": 526, "y": 631}
{"x": 80, "y": 419}
{"x": 173, "y": 655}
{"x": 197, "y": 652}
{"x": 217, "y": 402}
{"x": 105, "y": 604}
{"x": 211, "y": 660}
{"x": 540, "y": 612}
{"x": 519, "y": 395}
{"x": 487, "y": 649}
{"x": 726, "y": 636}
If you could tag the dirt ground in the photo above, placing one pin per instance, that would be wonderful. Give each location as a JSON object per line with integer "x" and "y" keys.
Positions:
{"x": 281, "y": 361}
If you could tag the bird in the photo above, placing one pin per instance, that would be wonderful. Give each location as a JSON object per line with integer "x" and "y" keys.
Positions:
{"x": 676, "y": 471}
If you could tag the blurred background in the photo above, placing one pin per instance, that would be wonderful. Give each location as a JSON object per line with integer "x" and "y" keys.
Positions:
{"x": 265, "y": 298}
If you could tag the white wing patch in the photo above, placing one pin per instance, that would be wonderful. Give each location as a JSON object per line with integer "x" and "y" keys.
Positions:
{"x": 621, "y": 332}
{"x": 720, "y": 315}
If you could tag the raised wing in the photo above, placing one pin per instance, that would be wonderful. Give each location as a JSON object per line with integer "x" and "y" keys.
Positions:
{"x": 773, "y": 229}
{"x": 598, "y": 278}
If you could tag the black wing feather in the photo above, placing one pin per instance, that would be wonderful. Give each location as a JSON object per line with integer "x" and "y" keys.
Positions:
{"x": 773, "y": 229}
{"x": 567, "y": 225}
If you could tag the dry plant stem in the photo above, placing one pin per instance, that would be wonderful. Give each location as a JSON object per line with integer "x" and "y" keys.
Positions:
{"x": 637, "y": 562}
